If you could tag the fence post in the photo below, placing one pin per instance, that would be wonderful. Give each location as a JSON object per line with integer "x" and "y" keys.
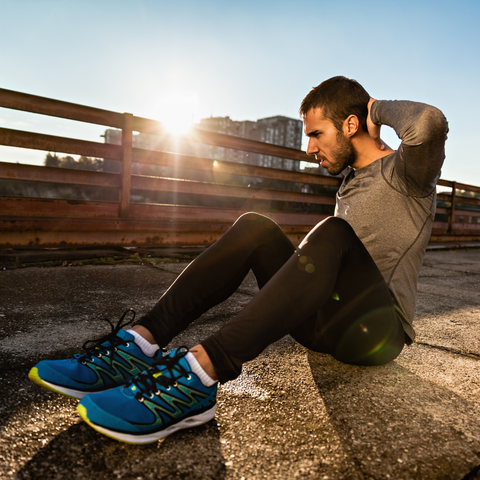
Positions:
{"x": 126, "y": 167}
{"x": 451, "y": 217}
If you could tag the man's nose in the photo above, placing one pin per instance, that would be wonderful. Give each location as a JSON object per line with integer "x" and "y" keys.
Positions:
{"x": 312, "y": 149}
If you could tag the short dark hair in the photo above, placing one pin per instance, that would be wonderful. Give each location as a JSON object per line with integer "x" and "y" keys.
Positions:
{"x": 339, "y": 97}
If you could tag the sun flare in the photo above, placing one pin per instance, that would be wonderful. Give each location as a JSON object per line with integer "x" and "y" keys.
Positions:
{"x": 177, "y": 111}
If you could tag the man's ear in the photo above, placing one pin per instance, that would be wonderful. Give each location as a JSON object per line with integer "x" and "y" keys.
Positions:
{"x": 351, "y": 126}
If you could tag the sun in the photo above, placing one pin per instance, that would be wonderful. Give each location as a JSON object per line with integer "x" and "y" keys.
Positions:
{"x": 177, "y": 111}
{"x": 178, "y": 123}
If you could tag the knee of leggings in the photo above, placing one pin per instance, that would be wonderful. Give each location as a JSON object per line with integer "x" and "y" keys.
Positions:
{"x": 252, "y": 220}
{"x": 331, "y": 229}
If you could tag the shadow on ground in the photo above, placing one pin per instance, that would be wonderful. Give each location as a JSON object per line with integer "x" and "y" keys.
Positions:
{"x": 395, "y": 424}
{"x": 80, "y": 452}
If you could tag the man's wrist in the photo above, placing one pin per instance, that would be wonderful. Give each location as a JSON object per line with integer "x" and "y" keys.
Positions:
{"x": 373, "y": 104}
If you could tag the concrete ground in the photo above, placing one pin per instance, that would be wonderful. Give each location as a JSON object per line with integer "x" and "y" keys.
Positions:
{"x": 291, "y": 414}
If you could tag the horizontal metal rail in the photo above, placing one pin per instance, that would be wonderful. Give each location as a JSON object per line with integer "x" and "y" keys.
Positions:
{"x": 75, "y": 209}
{"x": 212, "y": 189}
{"x": 38, "y": 141}
{"x": 459, "y": 199}
{"x": 52, "y": 143}
{"x": 102, "y": 179}
{"x": 111, "y": 180}
{"x": 57, "y": 108}
{"x": 34, "y": 173}
{"x": 178, "y": 160}
{"x": 459, "y": 186}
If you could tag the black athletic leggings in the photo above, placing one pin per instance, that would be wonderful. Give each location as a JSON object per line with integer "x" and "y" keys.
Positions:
{"x": 328, "y": 295}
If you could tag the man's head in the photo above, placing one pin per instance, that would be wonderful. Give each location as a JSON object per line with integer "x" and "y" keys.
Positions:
{"x": 333, "y": 112}
{"x": 338, "y": 97}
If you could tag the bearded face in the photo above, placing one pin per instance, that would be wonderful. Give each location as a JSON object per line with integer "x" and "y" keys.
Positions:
{"x": 332, "y": 148}
{"x": 343, "y": 156}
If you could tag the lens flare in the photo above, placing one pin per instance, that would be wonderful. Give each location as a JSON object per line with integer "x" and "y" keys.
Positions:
{"x": 176, "y": 110}
{"x": 305, "y": 264}
{"x": 379, "y": 339}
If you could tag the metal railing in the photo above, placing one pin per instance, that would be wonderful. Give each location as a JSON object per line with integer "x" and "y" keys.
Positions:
{"x": 46, "y": 222}
{"x": 458, "y": 213}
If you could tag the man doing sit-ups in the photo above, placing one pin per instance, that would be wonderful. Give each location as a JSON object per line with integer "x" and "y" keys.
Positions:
{"x": 348, "y": 290}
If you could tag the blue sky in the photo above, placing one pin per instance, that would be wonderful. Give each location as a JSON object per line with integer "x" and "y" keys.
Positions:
{"x": 247, "y": 60}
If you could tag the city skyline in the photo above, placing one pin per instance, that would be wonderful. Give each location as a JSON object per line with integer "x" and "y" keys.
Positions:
{"x": 248, "y": 61}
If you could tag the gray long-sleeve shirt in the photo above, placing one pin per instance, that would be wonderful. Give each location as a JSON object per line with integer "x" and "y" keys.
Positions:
{"x": 391, "y": 202}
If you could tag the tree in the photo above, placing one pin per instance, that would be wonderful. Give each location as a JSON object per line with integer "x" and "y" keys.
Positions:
{"x": 83, "y": 163}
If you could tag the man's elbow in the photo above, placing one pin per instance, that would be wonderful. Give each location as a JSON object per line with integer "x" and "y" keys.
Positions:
{"x": 433, "y": 125}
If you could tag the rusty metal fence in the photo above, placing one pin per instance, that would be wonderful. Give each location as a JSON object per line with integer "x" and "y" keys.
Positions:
{"x": 46, "y": 222}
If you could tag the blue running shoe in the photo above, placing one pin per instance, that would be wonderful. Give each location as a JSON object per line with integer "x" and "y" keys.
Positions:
{"x": 108, "y": 362}
{"x": 165, "y": 398}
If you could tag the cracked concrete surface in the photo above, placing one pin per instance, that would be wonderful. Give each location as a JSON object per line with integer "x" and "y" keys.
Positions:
{"x": 291, "y": 414}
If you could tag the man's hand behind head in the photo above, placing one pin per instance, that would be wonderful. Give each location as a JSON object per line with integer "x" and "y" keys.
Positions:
{"x": 374, "y": 130}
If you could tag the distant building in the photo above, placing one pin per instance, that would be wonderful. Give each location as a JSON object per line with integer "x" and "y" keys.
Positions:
{"x": 278, "y": 130}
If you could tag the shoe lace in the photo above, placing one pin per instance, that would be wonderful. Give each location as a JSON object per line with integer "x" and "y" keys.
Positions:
{"x": 149, "y": 383}
{"x": 97, "y": 349}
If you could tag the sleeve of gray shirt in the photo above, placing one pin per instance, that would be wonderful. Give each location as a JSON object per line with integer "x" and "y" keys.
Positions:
{"x": 423, "y": 130}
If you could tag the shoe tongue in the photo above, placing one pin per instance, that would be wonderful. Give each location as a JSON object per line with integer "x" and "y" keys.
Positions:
{"x": 173, "y": 353}
{"x": 125, "y": 335}
{"x": 182, "y": 361}
{"x": 131, "y": 389}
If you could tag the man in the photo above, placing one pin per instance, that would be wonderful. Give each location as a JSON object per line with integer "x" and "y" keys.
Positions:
{"x": 348, "y": 290}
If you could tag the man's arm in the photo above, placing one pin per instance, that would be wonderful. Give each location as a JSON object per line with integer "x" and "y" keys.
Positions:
{"x": 423, "y": 131}
{"x": 373, "y": 129}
